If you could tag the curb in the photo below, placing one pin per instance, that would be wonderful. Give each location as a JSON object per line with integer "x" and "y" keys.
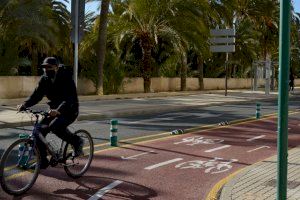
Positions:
{"x": 222, "y": 189}
{"x": 225, "y": 191}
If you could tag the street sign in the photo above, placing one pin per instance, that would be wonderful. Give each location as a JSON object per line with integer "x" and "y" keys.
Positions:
{"x": 222, "y": 40}
{"x": 222, "y": 48}
{"x": 77, "y": 18}
{"x": 222, "y": 32}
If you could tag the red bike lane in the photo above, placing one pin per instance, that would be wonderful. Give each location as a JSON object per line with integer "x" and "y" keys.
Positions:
{"x": 179, "y": 167}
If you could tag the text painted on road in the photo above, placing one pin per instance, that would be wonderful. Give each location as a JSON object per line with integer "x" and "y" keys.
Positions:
{"x": 255, "y": 138}
{"x": 258, "y": 148}
{"x": 163, "y": 163}
{"x": 105, "y": 190}
{"x": 214, "y": 166}
{"x": 191, "y": 141}
{"x": 218, "y": 148}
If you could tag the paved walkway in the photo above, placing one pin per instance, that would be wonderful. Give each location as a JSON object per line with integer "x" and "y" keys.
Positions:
{"x": 258, "y": 181}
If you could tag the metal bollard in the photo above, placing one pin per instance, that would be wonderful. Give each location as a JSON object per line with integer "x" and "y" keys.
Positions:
{"x": 22, "y": 148}
{"x": 258, "y": 110}
{"x": 113, "y": 133}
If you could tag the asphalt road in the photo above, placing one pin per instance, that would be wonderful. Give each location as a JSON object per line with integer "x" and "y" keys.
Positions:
{"x": 144, "y": 125}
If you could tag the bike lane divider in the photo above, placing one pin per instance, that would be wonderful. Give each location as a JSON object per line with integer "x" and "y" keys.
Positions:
{"x": 180, "y": 167}
{"x": 104, "y": 190}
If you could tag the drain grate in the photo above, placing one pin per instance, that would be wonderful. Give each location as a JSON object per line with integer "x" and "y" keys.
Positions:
{"x": 290, "y": 184}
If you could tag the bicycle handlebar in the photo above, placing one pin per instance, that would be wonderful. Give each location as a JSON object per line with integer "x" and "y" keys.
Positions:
{"x": 36, "y": 112}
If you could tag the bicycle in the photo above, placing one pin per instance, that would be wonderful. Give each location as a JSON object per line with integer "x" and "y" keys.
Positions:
{"x": 16, "y": 173}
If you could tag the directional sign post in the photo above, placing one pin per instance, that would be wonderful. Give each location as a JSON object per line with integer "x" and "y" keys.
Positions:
{"x": 223, "y": 41}
{"x": 77, "y": 21}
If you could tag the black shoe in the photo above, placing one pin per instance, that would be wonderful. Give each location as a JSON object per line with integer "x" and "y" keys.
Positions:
{"x": 78, "y": 149}
{"x": 44, "y": 165}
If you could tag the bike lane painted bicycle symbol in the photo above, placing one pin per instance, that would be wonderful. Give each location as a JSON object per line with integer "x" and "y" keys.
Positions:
{"x": 213, "y": 166}
{"x": 199, "y": 140}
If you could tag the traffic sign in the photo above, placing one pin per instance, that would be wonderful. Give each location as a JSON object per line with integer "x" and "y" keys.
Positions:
{"x": 222, "y": 40}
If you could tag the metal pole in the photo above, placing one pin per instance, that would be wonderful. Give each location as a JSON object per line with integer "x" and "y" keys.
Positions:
{"x": 284, "y": 64}
{"x": 267, "y": 82}
{"x": 255, "y": 76}
{"x": 76, "y": 42}
{"x": 226, "y": 69}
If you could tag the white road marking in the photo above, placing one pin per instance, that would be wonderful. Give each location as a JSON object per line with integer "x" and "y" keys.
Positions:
{"x": 104, "y": 190}
{"x": 255, "y": 138}
{"x": 218, "y": 148}
{"x": 288, "y": 129}
{"x": 163, "y": 163}
{"x": 258, "y": 148}
{"x": 134, "y": 156}
{"x": 143, "y": 121}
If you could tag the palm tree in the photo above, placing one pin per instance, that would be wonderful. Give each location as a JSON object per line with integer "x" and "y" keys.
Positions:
{"x": 148, "y": 22}
{"x": 102, "y": 43}
{"x": 31, "y": 29}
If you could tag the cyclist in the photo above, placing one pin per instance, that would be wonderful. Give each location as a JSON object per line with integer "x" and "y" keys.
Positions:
{"x": 58, "y": 86}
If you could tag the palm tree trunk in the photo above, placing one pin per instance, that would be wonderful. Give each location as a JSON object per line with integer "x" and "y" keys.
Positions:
{"x": 34, "y": 63}
{"x": 183, "y": 72}
{"x": 200, "y": 72}
{"x": 102, "y": 43}
{"x": 146, "y": 60}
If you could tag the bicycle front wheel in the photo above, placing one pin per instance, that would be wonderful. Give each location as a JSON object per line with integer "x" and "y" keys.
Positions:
{"x": 75, "y": 167}
{"x": 17, "y": 174}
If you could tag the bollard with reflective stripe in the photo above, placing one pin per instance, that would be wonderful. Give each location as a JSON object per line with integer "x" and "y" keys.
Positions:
{"x": 258, "y": 110}
{"x": 114, "y": 133}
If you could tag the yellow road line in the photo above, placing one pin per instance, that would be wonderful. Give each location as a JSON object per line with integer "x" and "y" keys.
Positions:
{"x": 215, "y": 190}
{"x": 191, "y": 130}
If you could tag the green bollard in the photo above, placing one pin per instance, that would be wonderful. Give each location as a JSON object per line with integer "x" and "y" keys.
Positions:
{"x": 113, "y": 133}
{"x": 258, "y": 110}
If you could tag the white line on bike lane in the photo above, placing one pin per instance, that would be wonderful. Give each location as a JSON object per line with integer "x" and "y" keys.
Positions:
{"x": 218, "y": 148}
{"x": 104, "y": 190}
{"x": 163, "y": 163}
{"x": 255, "y": 138}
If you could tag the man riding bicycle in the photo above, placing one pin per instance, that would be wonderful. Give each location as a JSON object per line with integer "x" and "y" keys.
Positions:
{"x": 58, "y": 86}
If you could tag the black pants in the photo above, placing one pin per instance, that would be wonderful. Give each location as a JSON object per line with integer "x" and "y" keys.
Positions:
{"x": 58, "y": 126}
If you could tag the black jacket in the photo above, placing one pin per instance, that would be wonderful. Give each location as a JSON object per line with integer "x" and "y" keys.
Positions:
{"x": 61, "y": 93}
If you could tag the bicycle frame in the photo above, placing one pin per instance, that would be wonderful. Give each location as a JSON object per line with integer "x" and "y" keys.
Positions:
{"x": 35, "y": 133}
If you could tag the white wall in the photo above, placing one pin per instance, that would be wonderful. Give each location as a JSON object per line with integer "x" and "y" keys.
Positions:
{"x": 22, "y": 86}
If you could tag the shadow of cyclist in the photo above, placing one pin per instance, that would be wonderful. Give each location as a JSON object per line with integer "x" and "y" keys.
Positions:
{"x": 90, "y": 185}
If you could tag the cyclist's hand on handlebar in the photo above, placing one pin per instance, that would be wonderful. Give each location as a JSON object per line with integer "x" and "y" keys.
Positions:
{"x": 21, "y": 107}
{"x": 54, "y": 113}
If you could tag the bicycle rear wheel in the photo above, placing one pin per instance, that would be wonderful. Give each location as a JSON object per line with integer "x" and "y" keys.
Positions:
{"x": 16, "y": 177}
{"x": 75, "y": 167}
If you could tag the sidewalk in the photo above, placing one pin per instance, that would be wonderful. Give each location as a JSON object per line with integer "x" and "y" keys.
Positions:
{"x": 258, "y": 181}
{"x": 109, "y": 106}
